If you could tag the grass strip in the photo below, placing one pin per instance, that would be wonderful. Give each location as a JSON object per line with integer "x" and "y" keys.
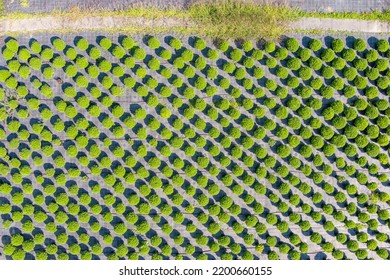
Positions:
{"x": 372, "y": 15}
{"x": 241, "y": 19}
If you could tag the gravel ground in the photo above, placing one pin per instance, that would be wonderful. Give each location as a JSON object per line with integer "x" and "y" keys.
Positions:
{"x": 342, "y": 25}
{"x": 52, "y": 23}
{"x": 341, "y": 5}
{"x": 315, "y": 251}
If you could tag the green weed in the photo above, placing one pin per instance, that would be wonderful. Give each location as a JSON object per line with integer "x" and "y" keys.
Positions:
{"x": 242, "y": 19}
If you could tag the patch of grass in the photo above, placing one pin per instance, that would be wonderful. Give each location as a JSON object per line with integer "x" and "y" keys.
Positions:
{"x": 1, "y": 7}
{"x": 372, "y": 15}
{"x": 151, "y": 12}
{"x": 242, "y": 19}
{"x": 25, "y": 3}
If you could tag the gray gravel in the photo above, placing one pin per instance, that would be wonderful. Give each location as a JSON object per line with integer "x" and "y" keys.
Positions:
{"x": 127, "y": 102}
{"x": 341, "y": 5}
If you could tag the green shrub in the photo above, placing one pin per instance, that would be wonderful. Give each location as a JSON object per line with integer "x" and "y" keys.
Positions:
{"x": 189, "y": 72}
{"x": 94, "y": 53}
{"x": 229, "y": 67}
{"x": 283, "y": 151}
{"x": 13, "y": 45}
{"x": 338, "y": 83}
{"x": 315, "y": 63}
{"x": 305, "y": 73}
{"x": 281, "y": 53}
{"x": 153, "y": 43}
{"x": 105, "y": 43}
{"x": 104, "y": 65}
{"x": 349, "y": 55}
{"x": 200, "y": 83}
{"x": 292, "y": 44}
{"x": 271, "y": 85}
{"x": 305, "y": 151}
{"x": 360, "y": 82}
{"x": 175, "y": 43}
{"x": 315, "y": 45}
{"x": 139, "y": 53}
{"x": 269, "y": 46}
{"x": 359, "y": 45}
{"x": 350, "y": 73}
{"x": 247, "y": 46}
{"x": 327, "y": 55}
{"x": 271, "y": 62}
{"x": 71, "y": 53}
{"x": 35, "y": 63}
{"x": 383, "y": 253}
{"x": 372, "y": 55}
{"x": 118, "y": 71}
{"x": 360, "y": 64}
{"x": 82, "y": 62}
{"x": 58, "y": 62}
{"x": 305, "y": 112}
{"x": 294, "y": 63}
{"x": 327, "y": 72}
{"x": 200, "y": 44}
{"x": 316, "y": 83}
{"x": 200, "y": 63}
{"x": 293, "y": 82}
{"x": 382, "y": 82}
{"x": 304, "y": 54}
{"x": 382, "y": 45}
{"x": 382, "y": 64}
{"x": 281, "y": 72}
{"x": 13, "y": 65}
{"x": 127, "y": 43}
{"x": 47, "y": 54}
{"x": 337, "y": 45}
{"x": 248, "y": 62}
{"x": 82, "y": 44}
{"x": 9, "y": 54}
{"x": 82, "y": 81}
{"x": 338, "y": 63}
